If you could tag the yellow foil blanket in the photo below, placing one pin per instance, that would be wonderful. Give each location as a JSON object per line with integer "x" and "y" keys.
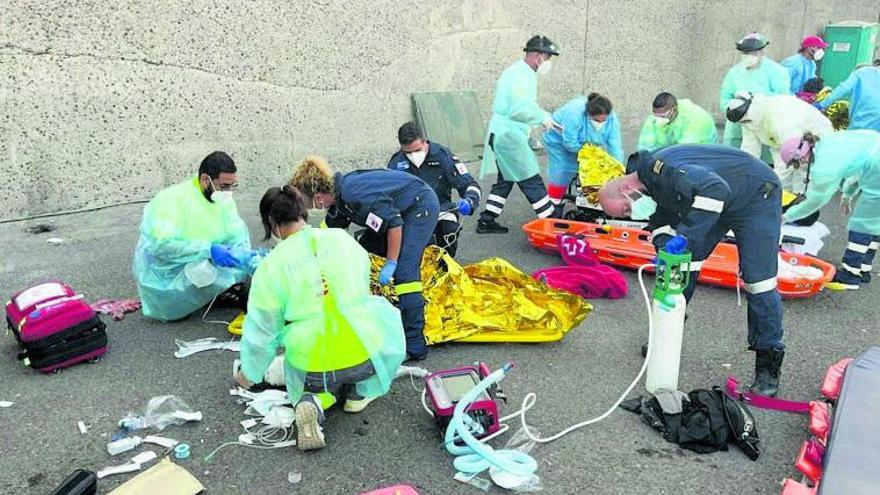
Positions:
{"x": 595, "y": 168}
{"x": 837, "y": 112}
{"x": 489, "y": 301}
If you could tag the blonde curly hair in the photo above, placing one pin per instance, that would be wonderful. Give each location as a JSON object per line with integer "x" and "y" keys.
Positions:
{"x": 312, "y": 175}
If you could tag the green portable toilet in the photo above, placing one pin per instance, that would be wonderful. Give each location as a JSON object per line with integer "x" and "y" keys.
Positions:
{"x": 850, "y": 43}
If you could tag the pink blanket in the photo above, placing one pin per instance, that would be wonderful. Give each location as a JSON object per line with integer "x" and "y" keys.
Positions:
{"x": 583, "y": 274}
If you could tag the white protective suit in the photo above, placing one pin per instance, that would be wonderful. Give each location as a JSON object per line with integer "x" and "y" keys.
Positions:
{"x": 772, "y": 119}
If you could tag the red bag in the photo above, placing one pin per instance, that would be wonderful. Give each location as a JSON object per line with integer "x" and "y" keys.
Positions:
{"x": 55, "y": 327}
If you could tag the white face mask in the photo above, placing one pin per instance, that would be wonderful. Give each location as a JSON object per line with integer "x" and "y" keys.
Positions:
{"x": 597, "y": 125}
{"x": 218, "y": 196}
{"x": 544, "y": 68}
{"x": 818, "y": 54}
{"x": 661, "y": 121}
{"x": 417, "y": 157}
{"x": 750, "y": 60}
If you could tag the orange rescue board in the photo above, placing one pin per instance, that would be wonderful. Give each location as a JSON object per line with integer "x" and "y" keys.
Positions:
{"x": 631, "y": 248}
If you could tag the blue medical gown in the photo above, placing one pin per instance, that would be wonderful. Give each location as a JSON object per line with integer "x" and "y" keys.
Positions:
{"x": 800, "y": 70}
{"x": 863, "y": 89}
{"x": 562, "y": 148}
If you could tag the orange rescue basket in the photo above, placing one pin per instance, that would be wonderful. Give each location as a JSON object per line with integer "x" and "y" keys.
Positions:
{"x": 632, "y": 248}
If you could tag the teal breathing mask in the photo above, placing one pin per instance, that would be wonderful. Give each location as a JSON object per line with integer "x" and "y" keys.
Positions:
{"x": 642, "y": 208}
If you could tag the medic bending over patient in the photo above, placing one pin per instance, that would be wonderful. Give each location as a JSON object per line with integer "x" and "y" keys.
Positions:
{"x": 311, "y": 296}
{"x": 400, "y": 206}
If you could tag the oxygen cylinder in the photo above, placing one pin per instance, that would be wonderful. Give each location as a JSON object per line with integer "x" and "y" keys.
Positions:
{"x": 668, "y": 310}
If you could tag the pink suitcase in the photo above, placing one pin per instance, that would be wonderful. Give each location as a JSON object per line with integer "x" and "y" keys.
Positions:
{"x": 55, "y": 327}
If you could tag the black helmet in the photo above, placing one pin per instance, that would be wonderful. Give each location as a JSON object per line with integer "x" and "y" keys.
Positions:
{"x": 738, "y": 107}
{"x": 541, "y": 44}
{"x": 752, "y": 42}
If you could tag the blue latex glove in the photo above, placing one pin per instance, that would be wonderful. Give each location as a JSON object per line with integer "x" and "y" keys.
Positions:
{"x": 387, "y": 272}
{"x": 222, "y": 256}
{"x": 465, "y": 207}
{"x": 817, "y": 104}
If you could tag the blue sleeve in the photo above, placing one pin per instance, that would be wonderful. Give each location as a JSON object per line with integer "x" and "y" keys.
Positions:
{"x": 707, "y": 193}
{"x": 457, "y": 175}
{"x": 794, "y": 71}
{"x": 662, "y": 226}
{"x": 615, "y": 148}
{"x": 383, "y": 209}
{"x": 572, "y": 135}
{"x": 841, "y": 91}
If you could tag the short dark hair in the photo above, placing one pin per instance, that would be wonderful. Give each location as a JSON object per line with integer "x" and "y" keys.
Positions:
{"x": 280, "y": 206}
{"x": 217, "y": 163}
{"x": 664, "y": 100}
{"x": 814, "y": 85}
{"x": 409, "y": 133}
{"x": 598, "y": 104}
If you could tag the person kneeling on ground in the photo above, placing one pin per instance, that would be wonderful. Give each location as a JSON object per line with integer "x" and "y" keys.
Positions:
{"x": 311, "y": 296}
{"x": 193, "y": 246}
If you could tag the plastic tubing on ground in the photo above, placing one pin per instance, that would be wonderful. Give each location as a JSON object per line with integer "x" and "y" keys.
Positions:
{"x": 474, "y": 457}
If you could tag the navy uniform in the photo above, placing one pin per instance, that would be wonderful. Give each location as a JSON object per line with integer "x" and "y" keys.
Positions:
{"x": 702, "y": 191}
{"x": 383, "y": 199}
{"x": 443, "y": 172}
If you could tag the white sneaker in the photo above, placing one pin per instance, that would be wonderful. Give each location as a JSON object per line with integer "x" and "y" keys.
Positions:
{"x": 309, "y": 435}
{"x": 357, "y": 405}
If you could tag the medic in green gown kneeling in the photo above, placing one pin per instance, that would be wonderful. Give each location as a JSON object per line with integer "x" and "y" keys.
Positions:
{"x": 311, "y": 296}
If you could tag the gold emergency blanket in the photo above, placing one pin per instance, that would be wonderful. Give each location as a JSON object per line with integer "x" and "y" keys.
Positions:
{"x": 595, "y": 168}
{"x": 837, "y": 112}
{"x": 489, "y": 301}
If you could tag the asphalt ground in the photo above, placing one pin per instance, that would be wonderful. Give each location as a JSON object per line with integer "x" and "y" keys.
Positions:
{"x": 394, "y": 441}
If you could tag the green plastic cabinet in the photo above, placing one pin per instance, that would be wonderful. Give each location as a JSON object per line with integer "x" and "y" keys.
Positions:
{"x": 850, "y": 43}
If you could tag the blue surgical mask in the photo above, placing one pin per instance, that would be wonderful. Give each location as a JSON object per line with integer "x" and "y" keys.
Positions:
{"x": 642, "y": 208}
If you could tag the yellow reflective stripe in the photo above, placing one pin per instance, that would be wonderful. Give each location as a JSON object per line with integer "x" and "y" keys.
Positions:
{"x": 408, "y": 288}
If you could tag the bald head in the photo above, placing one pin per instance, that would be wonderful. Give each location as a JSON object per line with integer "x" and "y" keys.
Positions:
{"x": 614, "y": 195}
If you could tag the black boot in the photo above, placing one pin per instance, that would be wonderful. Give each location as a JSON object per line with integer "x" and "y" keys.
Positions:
{"x": 490, "y": 227}
{"x": 768, "y": 364}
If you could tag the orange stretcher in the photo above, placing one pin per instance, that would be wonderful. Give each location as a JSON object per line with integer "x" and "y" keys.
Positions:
{"x": 631, "y": 248}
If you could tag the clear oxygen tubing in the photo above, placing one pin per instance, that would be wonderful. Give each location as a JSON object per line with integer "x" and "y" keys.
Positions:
{"x": 530, "y": 399}
{"x": 474, "y": 456}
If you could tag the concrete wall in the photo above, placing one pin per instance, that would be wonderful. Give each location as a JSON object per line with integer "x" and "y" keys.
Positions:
{"x": 103, "y": 102}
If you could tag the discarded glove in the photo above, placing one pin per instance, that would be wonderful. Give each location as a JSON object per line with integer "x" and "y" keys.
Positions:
{"x": 116, "y": 308}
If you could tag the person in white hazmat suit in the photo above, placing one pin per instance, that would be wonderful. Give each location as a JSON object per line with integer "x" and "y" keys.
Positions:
{"x": 768, "y": 121}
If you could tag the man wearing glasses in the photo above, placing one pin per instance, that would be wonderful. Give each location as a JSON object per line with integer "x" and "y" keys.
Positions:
{"x": 193, "y": 245}
{"x": 675, "y": 121}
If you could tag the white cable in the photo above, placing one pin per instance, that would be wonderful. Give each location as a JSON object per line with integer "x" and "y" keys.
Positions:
{"x": 208, "y": 308}
{"x": 530, "y": 399}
